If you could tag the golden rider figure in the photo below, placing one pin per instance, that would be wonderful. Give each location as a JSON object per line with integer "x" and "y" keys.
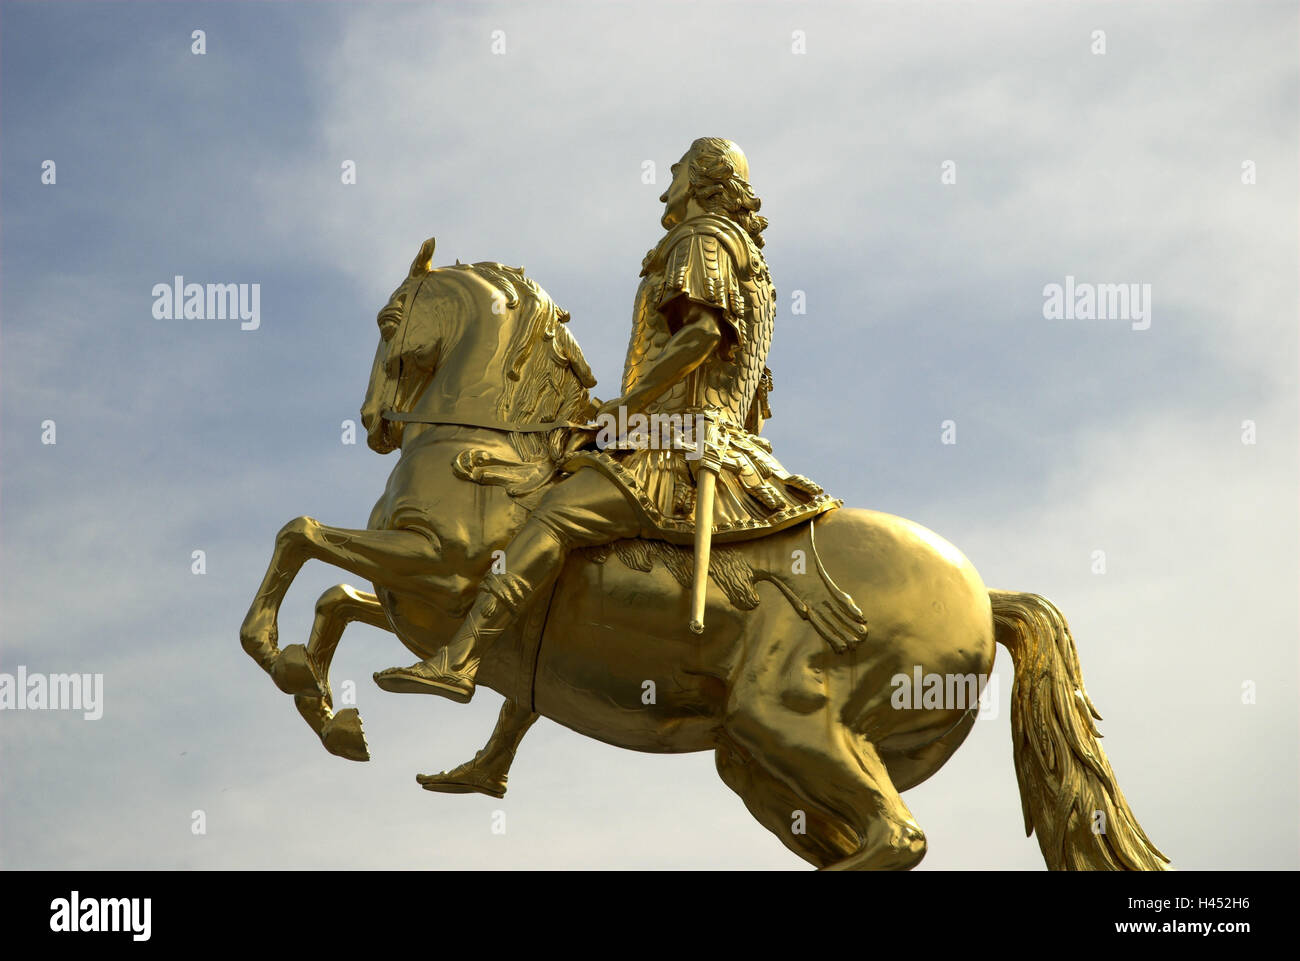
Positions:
{"x": 702, "y": 325}
{"x": 488, "y": 408}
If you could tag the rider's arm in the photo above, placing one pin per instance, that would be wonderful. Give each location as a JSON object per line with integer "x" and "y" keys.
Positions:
{"x": 699, "y": 332}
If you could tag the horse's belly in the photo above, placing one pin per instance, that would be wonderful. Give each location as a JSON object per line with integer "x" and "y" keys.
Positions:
{"x": 617, "y": 662}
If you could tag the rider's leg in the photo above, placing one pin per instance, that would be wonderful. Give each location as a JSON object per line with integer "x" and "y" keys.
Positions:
{"x": 583, "y": 510}
{"x": 488, "y": 772}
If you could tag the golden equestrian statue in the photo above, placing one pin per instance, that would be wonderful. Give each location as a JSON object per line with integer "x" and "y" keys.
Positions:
{"x": 645, "y": 571}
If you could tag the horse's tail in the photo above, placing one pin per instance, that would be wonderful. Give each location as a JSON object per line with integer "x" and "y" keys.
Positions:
{"x": 1067, "y": 789}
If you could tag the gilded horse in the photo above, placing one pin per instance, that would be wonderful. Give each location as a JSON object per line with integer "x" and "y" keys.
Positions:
{"x": 477, "y": 371}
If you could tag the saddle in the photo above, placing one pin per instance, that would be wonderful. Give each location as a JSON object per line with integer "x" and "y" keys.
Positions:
{"x": 786, "y": 558}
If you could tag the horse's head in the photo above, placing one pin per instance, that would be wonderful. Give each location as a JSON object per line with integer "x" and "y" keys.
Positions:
{"x": 531, "y": 370}
{"x": 396, "y": 375}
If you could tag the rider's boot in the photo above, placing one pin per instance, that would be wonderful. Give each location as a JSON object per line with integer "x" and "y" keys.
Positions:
{"x": 450, "y": 672}
{"x": 535, "y": 557}
{"x": 488, "y": 771}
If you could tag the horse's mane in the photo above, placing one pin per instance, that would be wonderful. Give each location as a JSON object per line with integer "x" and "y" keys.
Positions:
{"x": 547, "y": 378}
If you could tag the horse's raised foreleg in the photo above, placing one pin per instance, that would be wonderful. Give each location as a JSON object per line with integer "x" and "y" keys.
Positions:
{"x": 399, "y": 560}
{"x": 341, "y": 733}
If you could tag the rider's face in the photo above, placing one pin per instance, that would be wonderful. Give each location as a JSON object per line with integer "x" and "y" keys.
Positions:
{"x": 678, "y": 193}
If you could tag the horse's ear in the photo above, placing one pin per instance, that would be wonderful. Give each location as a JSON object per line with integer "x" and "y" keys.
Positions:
{"x": 423, "y": 262}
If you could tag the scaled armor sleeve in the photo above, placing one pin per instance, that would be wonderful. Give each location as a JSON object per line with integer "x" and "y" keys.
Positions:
{"x": 701, "y": 268}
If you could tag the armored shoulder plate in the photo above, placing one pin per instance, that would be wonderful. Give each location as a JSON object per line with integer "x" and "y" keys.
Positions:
{"x": 709, "y": 259}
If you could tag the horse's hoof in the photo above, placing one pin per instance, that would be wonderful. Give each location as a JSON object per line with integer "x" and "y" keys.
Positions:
{"x": 294, "y": 672}
{"x": 344, "y": 736}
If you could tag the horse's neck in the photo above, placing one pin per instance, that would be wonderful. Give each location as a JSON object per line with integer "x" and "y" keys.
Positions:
{"x": 469, "y": 377}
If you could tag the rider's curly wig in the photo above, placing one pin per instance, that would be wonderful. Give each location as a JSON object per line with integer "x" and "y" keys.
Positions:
{"x": 719, "y": 188}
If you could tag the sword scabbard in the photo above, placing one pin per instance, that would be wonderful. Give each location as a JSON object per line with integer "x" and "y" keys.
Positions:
{"x": 706, "y": 486}
{"x": 708, "y": 479}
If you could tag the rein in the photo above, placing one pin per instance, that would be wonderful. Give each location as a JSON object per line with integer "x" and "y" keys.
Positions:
{"x": 533, "y": 428}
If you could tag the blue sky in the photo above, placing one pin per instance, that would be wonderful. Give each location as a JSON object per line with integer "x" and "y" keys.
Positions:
{"x": 924, "y": 304}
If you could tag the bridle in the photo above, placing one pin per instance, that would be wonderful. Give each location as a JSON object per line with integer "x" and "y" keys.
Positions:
{"x": 388, "y": 414}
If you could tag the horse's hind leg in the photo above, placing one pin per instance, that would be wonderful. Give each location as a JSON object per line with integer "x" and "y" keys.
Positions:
{"x": 831, "y": 804}
{"x": 339, "y": 606}
{"x": 815, "y": 835}
{"x": 780, "y": 715}
{"x": 892, "y": 840}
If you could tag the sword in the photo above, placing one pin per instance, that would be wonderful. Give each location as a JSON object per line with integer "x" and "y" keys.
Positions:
{"x": 707, "y": 480}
